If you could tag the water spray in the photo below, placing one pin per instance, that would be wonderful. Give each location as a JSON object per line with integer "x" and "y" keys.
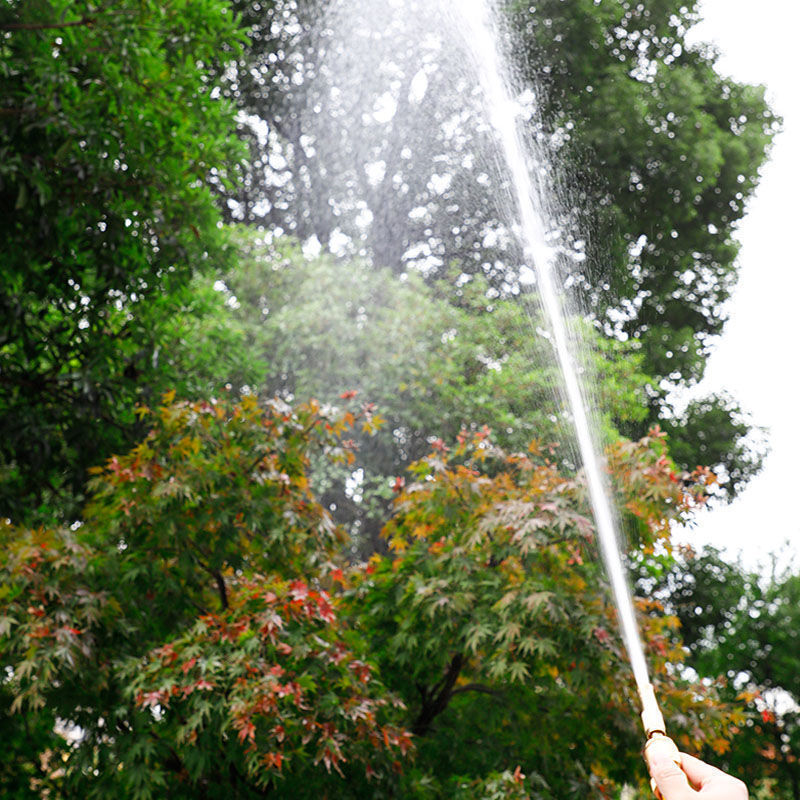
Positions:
{"x": 532, "y": 206}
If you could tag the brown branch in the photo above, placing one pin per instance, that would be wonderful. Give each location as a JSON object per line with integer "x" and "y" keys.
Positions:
{"x": 223, "y": 592}
{"x": 214, "y": 573}
{"x": 174, "y": 761}
{"x": 441, "y": 695}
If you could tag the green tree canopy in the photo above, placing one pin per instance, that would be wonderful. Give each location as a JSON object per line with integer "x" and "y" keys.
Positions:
{"x": 435, "y": 359}
{"x": 657, "y": 152}
{"x": 111, "y": 126}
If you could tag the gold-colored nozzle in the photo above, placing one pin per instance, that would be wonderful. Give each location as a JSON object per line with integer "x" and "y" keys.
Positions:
{"x": 652, "y": 719}
{"x": 658, "y": 744}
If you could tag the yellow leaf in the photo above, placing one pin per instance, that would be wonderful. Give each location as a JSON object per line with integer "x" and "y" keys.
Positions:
{"x": 398, "y": 544}
{"x": 720, "y": 745}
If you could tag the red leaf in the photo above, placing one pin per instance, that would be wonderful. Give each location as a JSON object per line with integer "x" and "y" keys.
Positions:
{"x": 298, "y": 590}
{"x": 247, "y": 730}
{"x": 325, "y": 610}
{"x": 273, "y": 760}
{"x": 151, "y": 699}
{"x": 279, "y": 732}
{"x": 601, "y": 634}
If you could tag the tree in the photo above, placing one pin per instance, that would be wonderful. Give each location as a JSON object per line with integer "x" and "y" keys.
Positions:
{"x": 110, "y": 127}
{"x": 491, "y": 616}
{"x": 196, "y": 635}
{"x": 177, "y": 626}
{"x": 108, "y": 213}
{"x": 662, "y": 151}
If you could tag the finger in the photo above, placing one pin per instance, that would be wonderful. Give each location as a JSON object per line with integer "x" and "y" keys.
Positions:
{"x": 672, "y": 783}
{"x": 706, "y": 777}
{"x": 700, "y": 773}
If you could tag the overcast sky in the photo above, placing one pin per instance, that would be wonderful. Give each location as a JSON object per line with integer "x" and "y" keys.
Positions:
{"x": 757, "y": 358}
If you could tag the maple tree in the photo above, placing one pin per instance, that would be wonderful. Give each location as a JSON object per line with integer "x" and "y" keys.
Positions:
{"x": 195, "y": 544}
{"x": 492, "y": 619}
{"x": 199, "y": 633}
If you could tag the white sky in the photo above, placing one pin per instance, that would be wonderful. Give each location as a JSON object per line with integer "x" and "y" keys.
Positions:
{"x": 757, "y": 357}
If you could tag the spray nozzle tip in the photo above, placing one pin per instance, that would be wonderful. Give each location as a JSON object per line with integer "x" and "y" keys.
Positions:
{"x": 652, "y": 719}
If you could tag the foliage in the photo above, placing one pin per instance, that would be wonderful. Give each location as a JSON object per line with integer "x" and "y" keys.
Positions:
{"x": 665, "y": 152}
{"x": 195, "y": 630}
{"x": 110, "y": 127}
{"x": 433, "y": 359}
{"x": 677, "y": 149}
{"x": 195, "y": 634}
{"x": 703, "y": 435}
{"x": 275, "y": 670}
{"x": 213, "y": 493}
{"x": 661, "y": 150}
{"x": 108, "y": 212}
{"x": 491, "y": 616}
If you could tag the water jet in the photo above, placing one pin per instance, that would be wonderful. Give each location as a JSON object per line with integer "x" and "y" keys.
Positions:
{"x": 469, "y": 27}
{"x": 482, "y": 34}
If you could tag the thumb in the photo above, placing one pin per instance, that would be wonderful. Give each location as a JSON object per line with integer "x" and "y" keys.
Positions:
{"x": 670, "y": 779}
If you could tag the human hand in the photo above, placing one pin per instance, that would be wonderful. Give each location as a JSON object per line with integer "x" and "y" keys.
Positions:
{"x": 693, "y": 779}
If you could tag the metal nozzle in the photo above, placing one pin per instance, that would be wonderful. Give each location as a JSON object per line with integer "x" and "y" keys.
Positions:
{"x": 658, "y": 744}
{"x": 652, "y": 719}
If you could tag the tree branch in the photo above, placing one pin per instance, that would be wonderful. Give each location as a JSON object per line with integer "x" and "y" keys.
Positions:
{"x": 441, "y": 694}
{"x": 223, "y": 592}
